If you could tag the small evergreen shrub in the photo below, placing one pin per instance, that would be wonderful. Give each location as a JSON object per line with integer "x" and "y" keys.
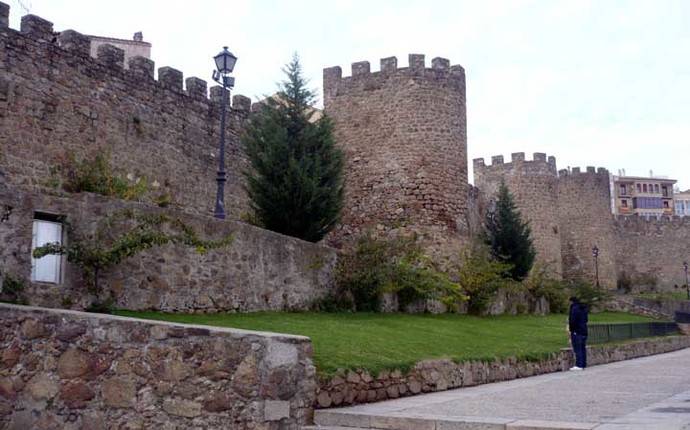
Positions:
{"x": 13, "y": 290}
{"x": 541, "y": 284}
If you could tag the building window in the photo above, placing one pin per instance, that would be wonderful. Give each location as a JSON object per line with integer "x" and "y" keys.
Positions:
{"x": 46, "y": 229}
{"x": 622, "y": 190}
{"x": 644, "y": 188}
{"x": 656, "y": 188}
{"x": 665, "y": 204}
{"x": 624, "y": 203}
{"x": 664, "y": 191}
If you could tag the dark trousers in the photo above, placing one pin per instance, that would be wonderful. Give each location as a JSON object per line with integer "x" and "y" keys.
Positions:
{"x": 580, "y": 349}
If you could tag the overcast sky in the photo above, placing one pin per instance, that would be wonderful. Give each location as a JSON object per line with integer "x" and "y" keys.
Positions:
{"x": 603, "y": 83}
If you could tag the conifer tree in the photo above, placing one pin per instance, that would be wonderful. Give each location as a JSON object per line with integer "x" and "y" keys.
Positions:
{"x": 295, "y": 179}
{"x": 509, "y": 236}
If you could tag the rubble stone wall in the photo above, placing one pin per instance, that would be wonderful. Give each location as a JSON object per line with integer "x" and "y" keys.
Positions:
{"x": 71, "y": 370}
{"x": 534, "y": 186}
{"x": 258, "y": 270}
{"x": 403, "y": 131}
{"x": 57, "y": 103}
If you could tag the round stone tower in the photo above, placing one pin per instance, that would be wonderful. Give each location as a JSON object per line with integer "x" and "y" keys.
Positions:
{"x": 403, "y": 130}
{"x": 534, "y": 185}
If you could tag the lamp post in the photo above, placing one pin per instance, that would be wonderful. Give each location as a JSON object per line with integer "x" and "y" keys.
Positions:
{"x": 595, "y": 254}
{"x": 225, "y": 63}
{"x": 687, "y": 287}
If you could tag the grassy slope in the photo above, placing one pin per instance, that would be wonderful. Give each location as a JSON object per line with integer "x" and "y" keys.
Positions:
{"x": 387, "y": 341}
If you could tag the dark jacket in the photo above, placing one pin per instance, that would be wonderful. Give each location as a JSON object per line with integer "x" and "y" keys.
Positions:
{"x": 577, "y": 320}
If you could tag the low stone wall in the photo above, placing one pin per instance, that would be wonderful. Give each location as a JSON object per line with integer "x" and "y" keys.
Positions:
{"x": 352, "y": 387}
{"x": 72, "y": 370}
{"x": 260, "y": 270}
{"x": 648, "y": 307}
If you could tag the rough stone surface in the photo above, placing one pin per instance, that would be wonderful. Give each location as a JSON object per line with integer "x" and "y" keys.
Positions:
{"x": 68, "y": 388}
{"x": 259, "y": 270}
{"x": 81, "y": 106}
{"x": 440, "y": 375}
{"x": 404, "y": 135}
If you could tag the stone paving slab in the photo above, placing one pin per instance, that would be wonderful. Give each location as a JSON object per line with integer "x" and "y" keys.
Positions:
{"x": 646, "y": 393}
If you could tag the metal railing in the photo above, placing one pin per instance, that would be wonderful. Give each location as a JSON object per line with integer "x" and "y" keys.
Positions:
{"x": 604, "y": 333}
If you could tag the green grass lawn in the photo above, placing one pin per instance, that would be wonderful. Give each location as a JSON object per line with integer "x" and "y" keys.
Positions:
{"x": 387, "y": 341}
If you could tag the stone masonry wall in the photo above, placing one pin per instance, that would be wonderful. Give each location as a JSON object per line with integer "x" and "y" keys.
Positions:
{"x": 534, "y": 185}
{"x": 404, "y": 134}
{"x": 72, "y": 370}
{"x": 652, "y": 249}
{"x": 352, "y": 387}
{"x": 259, "y": 270}
{"x": 584, "y": 203}
{"x": 57, "y": 102}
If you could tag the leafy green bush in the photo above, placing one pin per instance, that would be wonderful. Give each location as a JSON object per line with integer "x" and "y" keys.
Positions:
{"x": 13, "y": 289}
{"x": 95, "y": 175}
{"x": 396, "y": 266}
{"x": 480, "y": 278}
{"x": 540, "y": 283}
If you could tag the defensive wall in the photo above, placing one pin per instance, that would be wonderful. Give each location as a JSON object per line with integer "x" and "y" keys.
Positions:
{"x": 258, "y": 270}
{"x": 569, "y": 211}
{"x": 403, "y": 131}
{"x": 534, "y": 186}
{"x": 57, "y": 102}
{"x": 72, "y": 370}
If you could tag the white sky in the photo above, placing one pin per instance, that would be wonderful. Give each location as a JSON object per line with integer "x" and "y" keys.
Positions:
{"x": 603, "y": 83}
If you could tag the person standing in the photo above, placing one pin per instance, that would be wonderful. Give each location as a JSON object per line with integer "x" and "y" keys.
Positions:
{"x": 577, "y": 325}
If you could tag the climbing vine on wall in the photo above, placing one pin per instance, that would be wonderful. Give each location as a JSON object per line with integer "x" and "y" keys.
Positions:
{"x": 124, "y": 235}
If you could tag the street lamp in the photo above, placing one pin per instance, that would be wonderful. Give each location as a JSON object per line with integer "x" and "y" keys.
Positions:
{"x": 687, "y": 287}
{"x": 595, "y": 254}
{"x": 225, "y": 63}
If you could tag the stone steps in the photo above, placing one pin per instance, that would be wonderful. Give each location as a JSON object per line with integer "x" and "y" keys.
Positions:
{"x": 333, "y": 419}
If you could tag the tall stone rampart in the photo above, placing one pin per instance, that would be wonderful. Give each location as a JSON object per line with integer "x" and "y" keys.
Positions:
{"x": 57, "y": 102}
{"x": 403, "y": 130}
{"x": 651, "y": 251}
{"x": 584, "y": 215}
{"x": 534, "y": 185}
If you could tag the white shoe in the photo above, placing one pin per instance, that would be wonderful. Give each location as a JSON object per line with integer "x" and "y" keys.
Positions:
{"x": 576, "y": 368}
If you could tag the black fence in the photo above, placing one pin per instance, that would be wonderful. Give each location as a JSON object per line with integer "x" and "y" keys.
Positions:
{"x": 603, "y": 333}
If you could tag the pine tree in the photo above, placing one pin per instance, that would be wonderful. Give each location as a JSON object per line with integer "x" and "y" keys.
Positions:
{"x": 509, "y": 236}
{"x": 295, "y": 179}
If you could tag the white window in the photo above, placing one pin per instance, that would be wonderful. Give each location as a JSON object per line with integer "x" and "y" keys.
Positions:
{"x": 47, "y": 268}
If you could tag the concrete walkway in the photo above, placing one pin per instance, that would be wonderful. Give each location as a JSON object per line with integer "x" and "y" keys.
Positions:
{"x": 646, "y": 393}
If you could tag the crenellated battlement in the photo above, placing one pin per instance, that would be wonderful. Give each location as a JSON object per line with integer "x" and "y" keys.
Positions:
{"x": 334, "y": 83}
{"x": 71, "y": 45}
{"x": 539, "y": 163}
{"x": 578, "y": 172}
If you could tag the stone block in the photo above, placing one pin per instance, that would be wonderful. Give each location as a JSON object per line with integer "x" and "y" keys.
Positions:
{"x": 241, "y": 103}
{"x": 416, "y": 61}
{"x": 496, "y": 160}
{"x": 281, "y": 354}
{"x": 196, "y": 88}
{"x": 37, "y": 28}
{"x": 141, "y": 66}
{"x": 73, "y": 41}
{"x": 389, "y": 64}
{"x": 276, "y": 410}
{"x": 4, "y": 15}
{"x": 218, "y": 93}
{"x": 182, "y": 407}
{"x": 170, "y": 78}
{"x": 111, "y": 56}
{"x": 439, "y": 63}
{"x": 119, "y": 392}
{"x": 360, "y": 68}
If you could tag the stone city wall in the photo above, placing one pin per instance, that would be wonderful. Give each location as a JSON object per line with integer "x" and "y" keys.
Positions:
{"x": 403, "y": 131}
{"x": 72, "y": 370}
{"x": 57, "y": 102}
{"x": 259, "y": 270}
{"x": 584, "y": 202}
{"x": 650, "y": 253}
{"x": 427, "y": 376}
{"x": 534, "y": 185}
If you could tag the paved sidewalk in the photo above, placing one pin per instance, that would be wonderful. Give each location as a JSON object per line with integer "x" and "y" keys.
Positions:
{"x": 646, "y": 393}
